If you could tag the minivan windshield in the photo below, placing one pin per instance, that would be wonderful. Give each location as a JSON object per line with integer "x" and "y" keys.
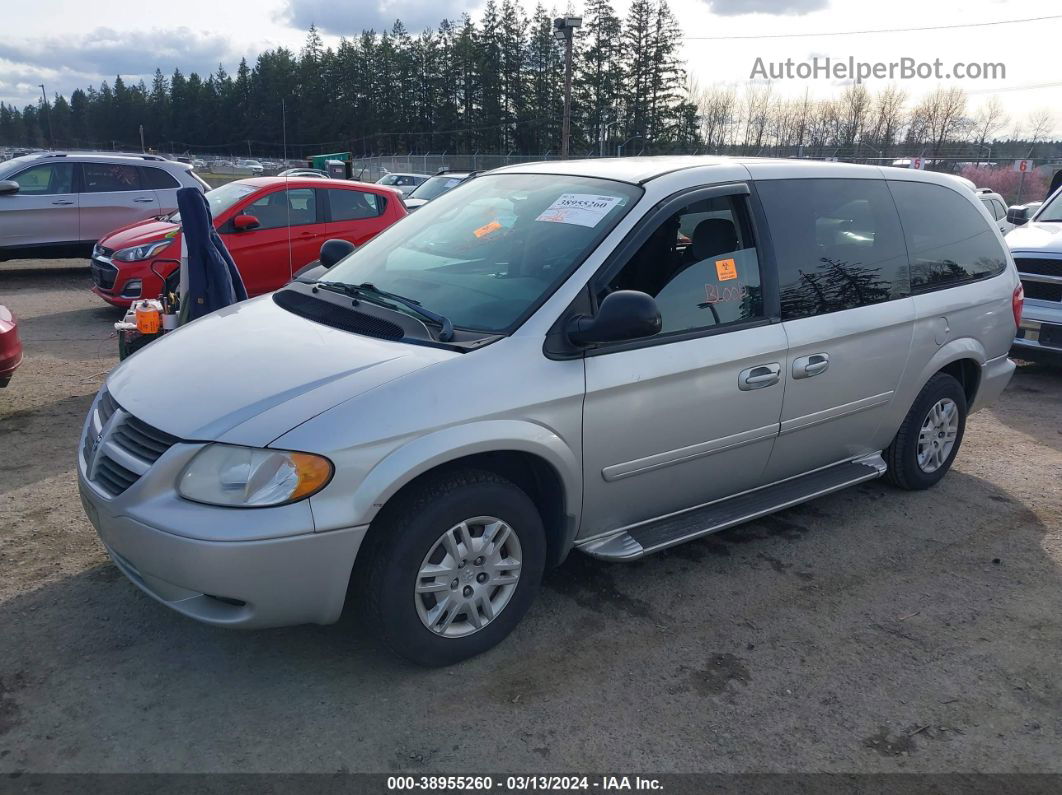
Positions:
{"x": 221, "y": 199}
{"x": 488, "y": 252}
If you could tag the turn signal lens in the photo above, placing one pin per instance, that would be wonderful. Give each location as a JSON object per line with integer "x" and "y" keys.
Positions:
{"x": 1017, "y": 304}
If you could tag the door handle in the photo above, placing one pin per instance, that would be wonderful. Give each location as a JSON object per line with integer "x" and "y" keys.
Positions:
{"x": 144, "y": 200}
{"x": 63, "y": 202}
{"x": 759, "y": 376}
{"x": 808, "y": 366}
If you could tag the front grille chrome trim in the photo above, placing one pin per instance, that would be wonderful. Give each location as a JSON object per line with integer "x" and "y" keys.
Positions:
{"x": 118, "y": 449}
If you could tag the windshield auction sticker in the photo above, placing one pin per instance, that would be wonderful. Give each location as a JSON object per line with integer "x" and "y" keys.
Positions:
{"x": 581, "y": 209}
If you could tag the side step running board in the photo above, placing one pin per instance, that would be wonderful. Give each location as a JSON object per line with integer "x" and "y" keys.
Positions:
{"x": 638, "y": 540}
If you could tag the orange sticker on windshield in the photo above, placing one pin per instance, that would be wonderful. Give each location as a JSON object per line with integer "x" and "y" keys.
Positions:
{"x": 725, "y": 269}
{"x": 486, "y": 229}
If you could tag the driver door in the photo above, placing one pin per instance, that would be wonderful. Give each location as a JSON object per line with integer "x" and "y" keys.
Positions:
{"x": 690, "y": 415}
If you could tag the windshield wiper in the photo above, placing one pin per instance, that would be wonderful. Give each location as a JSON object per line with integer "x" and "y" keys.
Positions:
{"x": 367, "y": 291}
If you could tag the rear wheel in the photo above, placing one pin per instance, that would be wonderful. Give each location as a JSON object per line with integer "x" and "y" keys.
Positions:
{"x": 929, "y": 438}
{"x": 455, "y": 567}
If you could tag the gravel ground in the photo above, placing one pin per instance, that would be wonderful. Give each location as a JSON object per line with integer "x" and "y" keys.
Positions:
{"x": 871, "y": 630}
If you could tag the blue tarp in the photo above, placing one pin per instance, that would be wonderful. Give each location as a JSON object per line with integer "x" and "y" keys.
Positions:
{"x": 212, "y": 278}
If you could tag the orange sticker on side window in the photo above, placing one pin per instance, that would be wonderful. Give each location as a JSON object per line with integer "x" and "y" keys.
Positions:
{"x": 486, "y": 229}
{"x": 725, "y": 269}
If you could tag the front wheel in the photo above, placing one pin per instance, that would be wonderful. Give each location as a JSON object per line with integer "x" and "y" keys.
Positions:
{"x": 928, "y": 440}
{"x": 455, "y": 567}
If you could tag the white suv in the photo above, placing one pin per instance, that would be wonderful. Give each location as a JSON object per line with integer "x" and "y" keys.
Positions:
{"x": 58, "y": 204}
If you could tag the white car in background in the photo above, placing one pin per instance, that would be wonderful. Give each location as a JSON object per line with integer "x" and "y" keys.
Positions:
{"x": 252, "y": 167}
{"x": 406, "y": 183}
{"x": 996, "y": 207}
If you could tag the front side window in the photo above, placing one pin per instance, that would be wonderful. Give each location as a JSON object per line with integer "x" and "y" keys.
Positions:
{"x": 296, "y": 207}
{"x": 700, "y": 265}
{"x": 109, "y": 177}
{"x": 838, "y": 244}
{"x": 948, "y": 240}
{"x": 46, "y": 179}
{"x": 222, "y": 198}
{"x": 355, "y": 205}
{"x": 487, "y": 254}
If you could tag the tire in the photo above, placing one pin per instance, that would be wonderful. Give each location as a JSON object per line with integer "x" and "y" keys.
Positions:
{"x": 906, "y": 470}
{"x": 410, "y": 537}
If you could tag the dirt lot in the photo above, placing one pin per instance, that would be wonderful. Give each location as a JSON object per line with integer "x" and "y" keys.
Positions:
{"x": 872, "y": 630}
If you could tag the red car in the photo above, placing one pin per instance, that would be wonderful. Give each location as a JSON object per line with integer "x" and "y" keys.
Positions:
{"x": 272, "y": 226}
{"x": 10, "y": 346}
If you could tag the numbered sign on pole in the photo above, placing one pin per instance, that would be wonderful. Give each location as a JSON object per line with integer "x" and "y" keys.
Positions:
{"x": 917, "y": 162}
{"x": 1022, "y": 166}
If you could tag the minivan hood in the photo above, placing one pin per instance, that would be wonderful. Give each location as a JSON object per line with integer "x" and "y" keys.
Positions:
{"x": 250, "y": 372}
{"x": 1046, "y": 236}
{"x": 139, "y": 233}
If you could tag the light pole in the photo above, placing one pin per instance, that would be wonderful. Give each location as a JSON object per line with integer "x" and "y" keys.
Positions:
{"x": 44, "y": 108}
{"x": 564, "y": 30}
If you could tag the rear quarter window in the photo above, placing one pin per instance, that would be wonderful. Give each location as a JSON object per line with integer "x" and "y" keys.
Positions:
{"x": 948, "y": 241}
{"x": 157, "y": 179}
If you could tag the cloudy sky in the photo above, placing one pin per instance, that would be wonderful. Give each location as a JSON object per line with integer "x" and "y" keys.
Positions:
{"x": 69, "y": 43}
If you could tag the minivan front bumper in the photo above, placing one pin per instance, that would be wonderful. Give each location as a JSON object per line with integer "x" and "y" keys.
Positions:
{"x": 246, "y": 584}
{"x": 234, "y": 567}
{"x": 296, "y": 580}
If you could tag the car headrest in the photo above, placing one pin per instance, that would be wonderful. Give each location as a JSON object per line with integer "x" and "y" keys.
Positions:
{"x": 712, "y": 237}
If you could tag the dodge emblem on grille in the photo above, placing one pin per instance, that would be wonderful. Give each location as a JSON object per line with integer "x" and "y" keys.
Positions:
{"x": 96, "y": 443}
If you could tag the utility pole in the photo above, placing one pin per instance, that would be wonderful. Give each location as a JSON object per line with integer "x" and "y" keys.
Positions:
{"x": 284, "y": 125}
{"x": 142, "y": 148}
{"x": 564, "y": 30}
{"x": 44, "y": 107}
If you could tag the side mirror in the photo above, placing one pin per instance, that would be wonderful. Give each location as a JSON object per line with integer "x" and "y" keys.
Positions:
{"x": 245, "y": 223}
{"x": 332, "y": 251}
{"x": 8, "y": 186}
{"x": 623, "y": 315}
{"x": 1019, "y": 214}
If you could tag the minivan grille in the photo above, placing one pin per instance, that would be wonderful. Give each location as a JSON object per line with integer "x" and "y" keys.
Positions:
{"x": 140, "y": 439}
{"x": 118, "y": 448}
{"x": 336, "y": 316}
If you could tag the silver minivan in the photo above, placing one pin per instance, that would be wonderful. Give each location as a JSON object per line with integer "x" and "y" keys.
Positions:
{"x": 610, "y": 356}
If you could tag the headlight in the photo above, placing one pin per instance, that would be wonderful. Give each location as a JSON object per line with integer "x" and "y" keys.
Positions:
{"x": 137, "y": 253}
{"x": 248, "y": 477}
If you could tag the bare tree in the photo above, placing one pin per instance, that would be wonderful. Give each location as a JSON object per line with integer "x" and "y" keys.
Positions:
{"x": 854, "y": 104}
{"x": 943, "y": 111}
{"x": 987, "y": 122}
{"x": 1040, "y": 122}
{"x": 888, "y": 118}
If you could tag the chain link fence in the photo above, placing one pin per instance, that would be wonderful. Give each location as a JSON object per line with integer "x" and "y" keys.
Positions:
{"x": 370, "y": 169}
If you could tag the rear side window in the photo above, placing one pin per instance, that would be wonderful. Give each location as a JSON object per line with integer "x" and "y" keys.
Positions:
{"x": 281, "y": 207}
{"x": 838, "y": 244}
{"x": 47, "y": 179}
{"x": 948, "y": 240}
{"x": 354, "y": 205}
{"x": 109, "y": 177}
{"x": 157, "y": 179}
